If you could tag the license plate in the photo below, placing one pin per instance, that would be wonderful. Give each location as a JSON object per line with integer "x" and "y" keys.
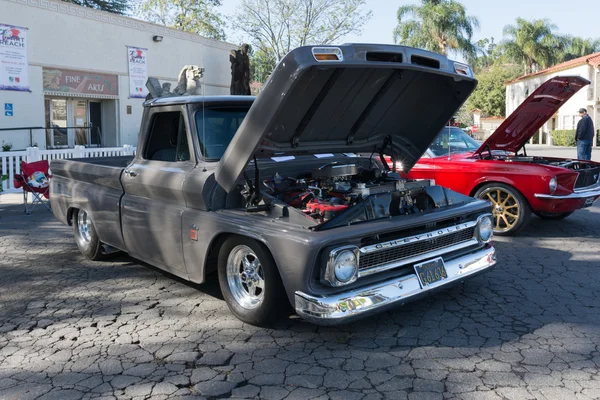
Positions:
{"x": 431, "y": 271}
{"x": 589, "y": 201}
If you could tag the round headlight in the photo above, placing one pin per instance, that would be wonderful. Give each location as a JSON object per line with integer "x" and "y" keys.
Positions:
{"x": 553, "y": 184}
{"x": 345, "y": 266}
{"x": 486, "y": 229}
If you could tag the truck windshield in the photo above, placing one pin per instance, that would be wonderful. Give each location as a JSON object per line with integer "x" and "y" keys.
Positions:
{"x": 453, "y": 140}
{"x": 220, "y": 125}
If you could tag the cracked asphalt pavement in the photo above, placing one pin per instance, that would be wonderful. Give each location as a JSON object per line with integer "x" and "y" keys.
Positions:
{"x": 76, "y": 329}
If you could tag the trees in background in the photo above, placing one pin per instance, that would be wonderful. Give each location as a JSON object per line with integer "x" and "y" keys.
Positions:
{"x": 114, "y": 6}
{"x": 490, "y": 94}
{"x": 437, "y": 25}
{"x": 573, "y": 47}
{"x": 528, "y": 46}
{"x": 195, "y": 16}
{"x": 534, "y": 44}
{"x": 274, "y": 27}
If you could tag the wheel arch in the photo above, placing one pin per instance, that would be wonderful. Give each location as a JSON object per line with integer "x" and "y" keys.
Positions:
{"x": 495, "y": 180}
{"x": 212, "y": 255}
{"x": 70, "y": 212}
{"x": 524, "y": 215}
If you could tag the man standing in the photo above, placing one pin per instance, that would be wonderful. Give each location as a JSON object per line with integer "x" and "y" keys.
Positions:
{"x": 584, "y": 135}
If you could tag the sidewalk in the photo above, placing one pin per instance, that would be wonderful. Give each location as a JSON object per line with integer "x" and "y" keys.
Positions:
{"x": 11, "y": 204}
{"x": 10, "y": 199}
{"x": 558, "y": 151}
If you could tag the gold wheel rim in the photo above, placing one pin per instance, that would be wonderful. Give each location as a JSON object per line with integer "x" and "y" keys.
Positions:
{"x": 505, "y": 210}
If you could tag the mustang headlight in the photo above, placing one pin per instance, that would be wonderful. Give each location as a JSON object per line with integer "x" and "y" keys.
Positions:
{"x": 553, "y": 185}
{"x": 342, "y": 268}
{"x": 485, "y": 228}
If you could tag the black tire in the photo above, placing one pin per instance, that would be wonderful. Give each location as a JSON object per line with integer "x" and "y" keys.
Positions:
{"x": 86, "y": 237}
{"x": 506, "y": 199}
{"x": 247, "y": 300}
{"x": 553, "y": 216}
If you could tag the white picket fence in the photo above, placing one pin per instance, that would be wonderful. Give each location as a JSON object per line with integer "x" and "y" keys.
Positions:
{"x": 11, "y": 160}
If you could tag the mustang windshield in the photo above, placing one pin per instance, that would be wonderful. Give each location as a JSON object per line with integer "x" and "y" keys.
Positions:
{"x": 453, "y": 140}
{"x": 220, "y": 125}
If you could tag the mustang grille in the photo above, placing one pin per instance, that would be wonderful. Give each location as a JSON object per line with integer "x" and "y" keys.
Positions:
{"x": 587, "y": 177}
{"x": 386, "y": 256}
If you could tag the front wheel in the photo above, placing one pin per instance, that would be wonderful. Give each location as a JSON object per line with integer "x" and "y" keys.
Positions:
{"x": 553, "y": 216}
{"x": 85, "y": 236}
{"x": 250, "y": 282}
{"x": 510, "y": 209}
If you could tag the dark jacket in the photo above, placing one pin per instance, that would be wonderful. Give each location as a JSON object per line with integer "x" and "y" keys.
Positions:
{"x": 585, "y": 128}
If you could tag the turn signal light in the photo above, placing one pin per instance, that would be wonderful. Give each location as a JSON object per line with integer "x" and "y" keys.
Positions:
{"x": 327, "y": 54}
{"x": 326, "y": 57}
{"x": 462, "y": 69}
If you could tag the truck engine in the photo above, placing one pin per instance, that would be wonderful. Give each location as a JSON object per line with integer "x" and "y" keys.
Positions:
{"x": 333, "y": 189}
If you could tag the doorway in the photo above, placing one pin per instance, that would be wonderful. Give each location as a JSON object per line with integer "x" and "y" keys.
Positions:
{"x": 56, "y": 123}
{"x": 72, "y": 122}
{"x": 95, "y": 123}
{"x": 81, "y": 122}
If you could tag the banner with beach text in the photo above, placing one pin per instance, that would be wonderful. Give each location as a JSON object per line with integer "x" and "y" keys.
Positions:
{"x": 138, "y": 71}
{"x": 14, "y": 67}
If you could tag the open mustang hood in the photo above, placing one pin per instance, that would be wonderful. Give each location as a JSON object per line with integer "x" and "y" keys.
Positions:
{"x": 538, "y": 108}
{"x": 349, "y": 98}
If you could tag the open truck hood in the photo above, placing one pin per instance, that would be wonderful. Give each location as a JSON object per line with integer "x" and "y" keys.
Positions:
{"x": 349, "y": 98}
{"x": 538, "y": 108}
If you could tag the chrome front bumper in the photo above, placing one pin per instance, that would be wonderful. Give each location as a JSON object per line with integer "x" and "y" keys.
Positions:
{"x": 344, "y": 307}
{"x": 590, "y": 191}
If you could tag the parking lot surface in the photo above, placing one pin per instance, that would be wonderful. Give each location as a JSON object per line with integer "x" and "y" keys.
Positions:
{"x": 72, "y": 328}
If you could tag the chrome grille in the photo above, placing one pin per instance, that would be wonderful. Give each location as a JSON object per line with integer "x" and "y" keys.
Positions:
{"x": 394, "y": 254}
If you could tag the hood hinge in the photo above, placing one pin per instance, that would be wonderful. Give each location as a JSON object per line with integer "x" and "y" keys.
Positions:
{"x": 387, "y": 143}
{"x": 252, "y": 192}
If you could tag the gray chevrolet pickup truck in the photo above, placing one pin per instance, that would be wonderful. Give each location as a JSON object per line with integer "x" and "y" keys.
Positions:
{"x": 287, "y": 195}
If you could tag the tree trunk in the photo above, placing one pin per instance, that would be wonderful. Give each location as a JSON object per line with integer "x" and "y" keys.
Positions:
{"x": 443, "y": 45}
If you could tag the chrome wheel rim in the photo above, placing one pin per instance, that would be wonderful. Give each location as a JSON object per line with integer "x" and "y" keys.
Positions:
{"x": 245, "y": 277}
{"x": 83, "y": 227}
{"x": 506, "y": 208}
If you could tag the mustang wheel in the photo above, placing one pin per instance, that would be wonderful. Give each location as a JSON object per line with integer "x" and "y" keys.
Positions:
{"x": 553, "y": 216}
{"x": 510, "y": 209}
{"x": 86, "y": 236}
{"x": 250, "y": 282}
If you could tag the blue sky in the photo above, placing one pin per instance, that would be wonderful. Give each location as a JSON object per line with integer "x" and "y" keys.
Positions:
{"x": 575, "y": 18}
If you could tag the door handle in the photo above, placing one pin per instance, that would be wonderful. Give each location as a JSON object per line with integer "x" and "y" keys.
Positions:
{"x": 130, "y": 173}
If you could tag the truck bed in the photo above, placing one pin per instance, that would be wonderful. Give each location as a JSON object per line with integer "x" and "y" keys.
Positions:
{"x": 93, "y": 185}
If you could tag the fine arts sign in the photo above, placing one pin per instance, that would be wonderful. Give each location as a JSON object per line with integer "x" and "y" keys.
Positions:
{"x": 79, "y": 82}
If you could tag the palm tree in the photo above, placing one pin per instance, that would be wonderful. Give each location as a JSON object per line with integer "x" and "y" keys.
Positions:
{"x": 574, "y": 47}
{"x": 532, "y": 43}
{"x": 437, "y": 25}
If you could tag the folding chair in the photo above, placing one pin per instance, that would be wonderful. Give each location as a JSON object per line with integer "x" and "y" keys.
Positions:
{"x": 39, "y": 188}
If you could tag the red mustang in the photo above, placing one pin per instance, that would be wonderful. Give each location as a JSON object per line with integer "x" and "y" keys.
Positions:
{"x": 516, "y": 184}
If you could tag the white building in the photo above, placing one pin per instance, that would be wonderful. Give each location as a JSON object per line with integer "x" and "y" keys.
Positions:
{"x": 485, "y": 125}
{"x": 567, "y": 116}
{"x": 67, "y": 45}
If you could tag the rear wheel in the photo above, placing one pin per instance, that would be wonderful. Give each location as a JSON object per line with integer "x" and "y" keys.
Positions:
{"x": 553, "y": 216}
{"x": 85, "y": 236}
{"x": 510, "y": 209}
{"x": 250, "y": 282}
